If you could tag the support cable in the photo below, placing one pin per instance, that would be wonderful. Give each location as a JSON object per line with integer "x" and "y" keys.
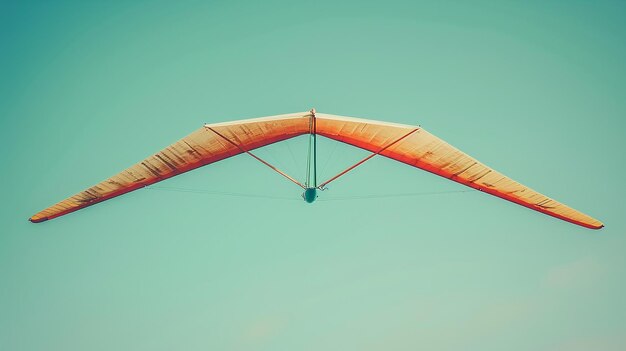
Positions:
{"x": 313, "y": 150}
{"x": 257, "y": 158}
{"x": 321, "y": 186}
{"x": 384, "y": 196}
{"x": 308, "y": 159}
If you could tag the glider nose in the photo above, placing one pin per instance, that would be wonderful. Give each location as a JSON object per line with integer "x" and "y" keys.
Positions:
{"x": 310, "y": 194}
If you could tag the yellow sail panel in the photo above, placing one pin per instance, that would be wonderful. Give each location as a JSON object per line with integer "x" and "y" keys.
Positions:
{"x": 202, "y": 147}
{"x": 425, "y": 151}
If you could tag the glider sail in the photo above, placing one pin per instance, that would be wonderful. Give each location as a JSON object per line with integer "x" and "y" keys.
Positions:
{"x": 408, "y": 144}
{"x": 425, "y": 151}
{"x": 200, "y": 148}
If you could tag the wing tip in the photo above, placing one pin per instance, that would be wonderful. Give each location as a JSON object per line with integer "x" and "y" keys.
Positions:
{"x": 35, "y": 219}
{"x": 596, "y": 226}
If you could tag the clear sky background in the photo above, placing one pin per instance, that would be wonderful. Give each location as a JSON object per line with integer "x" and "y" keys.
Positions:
{"x": 534, "y": 89}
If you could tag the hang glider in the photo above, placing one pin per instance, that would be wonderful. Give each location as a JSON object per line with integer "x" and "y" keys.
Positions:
{"x": 408, "y": 144}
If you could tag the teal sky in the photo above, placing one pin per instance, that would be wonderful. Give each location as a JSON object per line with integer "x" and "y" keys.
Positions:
{"x": 534, "y": 89}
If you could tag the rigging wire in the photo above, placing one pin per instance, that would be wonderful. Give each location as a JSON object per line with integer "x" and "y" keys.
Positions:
{"x": 262, "y": 196}
{"x": 308, "y": 165}
{"x": 256, "y": 157}
{"x": 383, "y": 196}
{"x": 323, "y": 185}
{"x": 308, "y": 158}
{"x": 314, "y": 148}
{"x": 329, "y": 157}
{"x": 293, "y": 156}
{"x": 219, "y": 193}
